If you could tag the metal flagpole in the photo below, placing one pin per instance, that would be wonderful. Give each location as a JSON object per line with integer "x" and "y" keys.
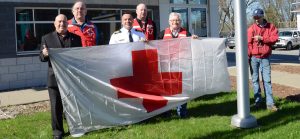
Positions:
{"x": 243, "y": 119}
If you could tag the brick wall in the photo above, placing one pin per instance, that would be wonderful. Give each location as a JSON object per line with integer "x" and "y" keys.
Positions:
{"x": 22, "y": 72}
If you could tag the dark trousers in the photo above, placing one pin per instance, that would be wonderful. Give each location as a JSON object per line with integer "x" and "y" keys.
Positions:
{"x": 56, "y": 111}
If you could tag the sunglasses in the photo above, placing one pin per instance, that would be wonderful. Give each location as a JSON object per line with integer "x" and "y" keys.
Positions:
{"x": 257, "y": 17}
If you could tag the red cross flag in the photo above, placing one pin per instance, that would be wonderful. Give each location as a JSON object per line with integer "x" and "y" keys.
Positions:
{"x": 122, "y": 84}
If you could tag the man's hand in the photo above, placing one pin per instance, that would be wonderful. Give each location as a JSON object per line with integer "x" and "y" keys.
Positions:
{"x": 257, "y": 38}
{"x": 45, "y": 51}
{"x": 144, "y": 40}
{"x": 195, "y": 37}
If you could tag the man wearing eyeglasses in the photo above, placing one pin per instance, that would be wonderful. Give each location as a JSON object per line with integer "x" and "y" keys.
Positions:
{"x": 176, "y": 31}
{"x": 81, "y": 27}
{"x": 261, "y": 36}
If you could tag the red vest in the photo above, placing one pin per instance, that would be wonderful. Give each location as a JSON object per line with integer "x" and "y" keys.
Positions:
{"x": 87, "y": 34}
{"x": 149, "y": 33}
{"x": 168, "y": 33}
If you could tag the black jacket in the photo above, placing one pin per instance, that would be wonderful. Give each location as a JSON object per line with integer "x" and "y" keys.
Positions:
{"x": 51, "y": 40}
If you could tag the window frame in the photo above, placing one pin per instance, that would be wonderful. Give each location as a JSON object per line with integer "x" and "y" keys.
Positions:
{"x": 35, "y": 52}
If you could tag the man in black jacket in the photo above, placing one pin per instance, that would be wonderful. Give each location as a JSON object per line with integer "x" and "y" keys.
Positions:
{"x": 60, "y": 38}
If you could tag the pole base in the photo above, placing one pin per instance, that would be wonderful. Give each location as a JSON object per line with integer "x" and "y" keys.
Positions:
{"x": 248, "y": 122}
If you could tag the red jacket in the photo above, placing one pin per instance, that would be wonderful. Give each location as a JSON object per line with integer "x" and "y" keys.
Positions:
{"x": 149, "y": 30}
{"x": 88, "y": 32}
{"x": 168, "y": 33}
{"x": 263, "y": 48}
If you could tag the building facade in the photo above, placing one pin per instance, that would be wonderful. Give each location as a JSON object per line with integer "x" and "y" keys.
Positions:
{"x": 25, "y": 21}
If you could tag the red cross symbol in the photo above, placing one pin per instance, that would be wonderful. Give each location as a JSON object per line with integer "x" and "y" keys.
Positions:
{"x": 147, "y": 83}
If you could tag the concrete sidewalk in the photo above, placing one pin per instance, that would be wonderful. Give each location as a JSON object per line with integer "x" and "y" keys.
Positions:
{"x": 26, "y": 96}
{"x": 282, "y": 78}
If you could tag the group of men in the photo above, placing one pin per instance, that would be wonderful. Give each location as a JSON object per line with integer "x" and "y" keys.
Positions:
{"x": 78, "y": 32}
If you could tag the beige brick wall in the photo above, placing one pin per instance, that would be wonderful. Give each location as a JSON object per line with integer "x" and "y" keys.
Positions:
{"x": 22, "y": 72}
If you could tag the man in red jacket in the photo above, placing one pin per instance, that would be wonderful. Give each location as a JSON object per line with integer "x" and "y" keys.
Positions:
{"x": 261, "y": 36}
{"x": 81, "y": 27}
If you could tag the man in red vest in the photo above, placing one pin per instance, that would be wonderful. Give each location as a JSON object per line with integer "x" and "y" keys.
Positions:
{"x": 176, "y": 31}
{"x": 81, "y": 27}
{"x": 143, "y": 23}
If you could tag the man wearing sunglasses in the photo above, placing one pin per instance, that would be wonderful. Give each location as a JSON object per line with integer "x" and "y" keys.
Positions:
{"x": 261, "y": 36}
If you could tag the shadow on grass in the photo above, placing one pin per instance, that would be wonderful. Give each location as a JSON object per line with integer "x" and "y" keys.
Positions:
{"x": 226, "y": 108}
{"x": 273, "y": 120}
{"x": 294, "y": 98}
{"x": 283, "y": 117}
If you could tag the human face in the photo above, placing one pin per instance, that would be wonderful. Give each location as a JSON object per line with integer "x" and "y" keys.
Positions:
{"x": 79, "y": 11}
{"x": 61, "y": 24}
{"x": 174, "y": 22}
{"x": 127, "y": 21}
{"x": 141, "y": 11}
{"x": 258, "y": 19}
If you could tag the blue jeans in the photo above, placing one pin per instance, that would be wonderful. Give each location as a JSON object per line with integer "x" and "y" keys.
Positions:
{"x": 182, "y": 110}
{"x": 262, "y": 65}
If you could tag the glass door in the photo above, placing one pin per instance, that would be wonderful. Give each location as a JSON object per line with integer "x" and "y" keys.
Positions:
{"x": 198, "y": 22}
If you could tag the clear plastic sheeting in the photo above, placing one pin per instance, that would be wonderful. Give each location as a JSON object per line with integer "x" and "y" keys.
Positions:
{"x": 121, "y": 84}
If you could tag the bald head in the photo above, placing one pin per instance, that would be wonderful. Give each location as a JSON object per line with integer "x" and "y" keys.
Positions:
{"x": 79, "y": 11}
{"x": 141, "y": 11}
{"x": 61, "y": 24}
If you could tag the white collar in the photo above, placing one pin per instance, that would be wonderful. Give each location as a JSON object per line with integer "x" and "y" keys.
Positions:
{"x": 126, "y": 30}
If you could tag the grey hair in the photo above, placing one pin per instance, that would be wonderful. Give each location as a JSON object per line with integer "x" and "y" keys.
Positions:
{"x": 77, "y": 1}
{"x": 141, "y": 4}
{"x": 175, "y": 14}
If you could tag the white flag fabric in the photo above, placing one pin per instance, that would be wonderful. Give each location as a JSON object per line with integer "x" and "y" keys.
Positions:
{"x": 121, "y": 84}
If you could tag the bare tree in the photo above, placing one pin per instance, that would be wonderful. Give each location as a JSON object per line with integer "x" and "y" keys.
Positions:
{"x": 278, "y": 12}
{"x": 226, "y": 12}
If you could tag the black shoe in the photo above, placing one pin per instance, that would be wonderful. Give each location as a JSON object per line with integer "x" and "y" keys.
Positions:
{"x": 257, "y": 105}
{"x": 57, "y": 137}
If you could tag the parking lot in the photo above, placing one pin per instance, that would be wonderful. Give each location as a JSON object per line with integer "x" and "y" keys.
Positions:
{"x": 279, "y": 55}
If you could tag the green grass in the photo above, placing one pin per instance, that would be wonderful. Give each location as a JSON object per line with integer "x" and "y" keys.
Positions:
{"x": 209, "y": 118}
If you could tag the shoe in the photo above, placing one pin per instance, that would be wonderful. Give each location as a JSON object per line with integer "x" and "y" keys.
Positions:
{"x": 272, "y": 108}
{"x": 257, "y": 105}
{"x": 57, "y": 137}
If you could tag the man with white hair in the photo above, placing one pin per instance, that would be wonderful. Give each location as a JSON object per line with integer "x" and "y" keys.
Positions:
{"x": 176, "y": 31}
{"x": 143, "y": 23}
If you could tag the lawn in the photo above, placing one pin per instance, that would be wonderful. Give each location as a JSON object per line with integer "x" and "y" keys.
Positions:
{"x": 209, "y": 117}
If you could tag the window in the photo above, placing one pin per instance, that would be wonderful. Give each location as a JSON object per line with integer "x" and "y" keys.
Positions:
{"x": 188, "y": 1}
{"x": 178, "y": 1}
{"x": 198, "y": 21}
{"x": 33, "y": 23}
